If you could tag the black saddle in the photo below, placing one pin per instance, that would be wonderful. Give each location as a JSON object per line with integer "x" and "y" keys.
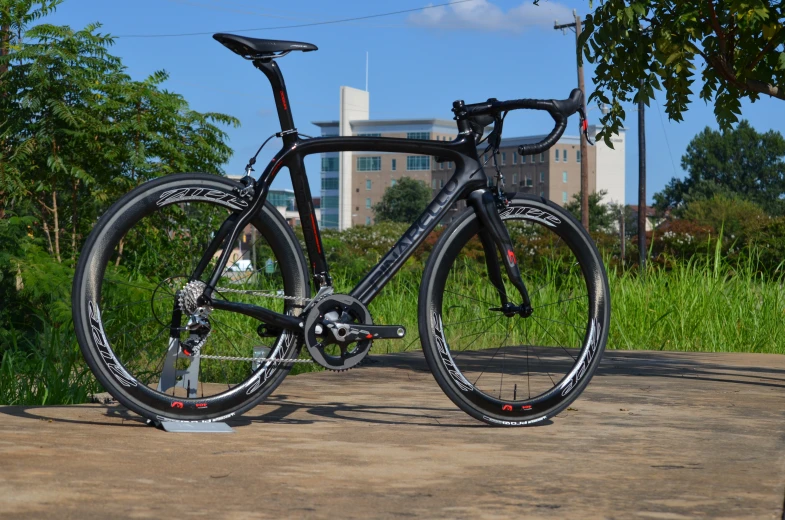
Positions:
{"x": 258, "y": 48}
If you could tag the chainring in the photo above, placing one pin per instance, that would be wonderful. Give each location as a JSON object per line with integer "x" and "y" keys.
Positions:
{"x": 323, "y": 347}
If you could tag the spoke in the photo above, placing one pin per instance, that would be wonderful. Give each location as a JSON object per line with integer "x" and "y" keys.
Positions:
{"x": 469, "y": 321}
{"x": 478, "y": 334}
{"x": 469, "y": 297}
{"x": 538, "y": 358}
{"x": 494, "y": 356}
{"x": 130, "y": 285}
{"x": 137, "y": 302}
{"x": 560, "y": 301}
{"x": 554, "y": 339}
{"x": 575, "y": 327}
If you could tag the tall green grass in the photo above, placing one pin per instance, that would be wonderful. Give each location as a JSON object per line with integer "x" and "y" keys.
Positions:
{"x": 706, "y": 304}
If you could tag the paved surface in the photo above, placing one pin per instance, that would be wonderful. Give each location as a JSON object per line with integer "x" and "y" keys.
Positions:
{"x": 656, "y": 435}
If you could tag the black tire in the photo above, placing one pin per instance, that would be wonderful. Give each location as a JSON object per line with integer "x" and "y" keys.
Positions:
{"x": 557, "y": 259}
{"x": 169, "y": 220}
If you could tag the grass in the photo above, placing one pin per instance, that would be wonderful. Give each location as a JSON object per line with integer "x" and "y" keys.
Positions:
{"x": 703, "y": 305}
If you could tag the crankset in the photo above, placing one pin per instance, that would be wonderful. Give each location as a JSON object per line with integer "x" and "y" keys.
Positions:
{"x": 339, "y": 332}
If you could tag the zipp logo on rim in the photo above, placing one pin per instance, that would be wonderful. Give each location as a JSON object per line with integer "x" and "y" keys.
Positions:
{"x": 208, "y": 194}
{"x": 97, "y": 330}
{"x": 594, "y": 337}
{"x": 444, "y": 353}
{"x": 530, "y": 213}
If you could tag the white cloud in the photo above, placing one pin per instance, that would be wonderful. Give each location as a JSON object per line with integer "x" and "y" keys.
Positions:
{"x": 482, "y": 15}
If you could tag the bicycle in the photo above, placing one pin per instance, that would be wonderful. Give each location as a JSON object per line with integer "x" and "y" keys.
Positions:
{"x": 173, "y": 333}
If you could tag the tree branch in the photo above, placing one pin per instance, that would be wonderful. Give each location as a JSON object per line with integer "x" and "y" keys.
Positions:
{"x": 768, "y": 48}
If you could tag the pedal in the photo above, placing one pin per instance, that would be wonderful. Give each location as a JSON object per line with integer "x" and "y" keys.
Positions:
{"x": 348, "y": 333}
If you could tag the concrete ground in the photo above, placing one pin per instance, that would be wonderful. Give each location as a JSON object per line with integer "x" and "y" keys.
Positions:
{"x": 656, "y": 435}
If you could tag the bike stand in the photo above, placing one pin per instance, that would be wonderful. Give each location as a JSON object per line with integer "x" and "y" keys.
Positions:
{"x": 195, "y": 427}
{"x": 187, "y": 379}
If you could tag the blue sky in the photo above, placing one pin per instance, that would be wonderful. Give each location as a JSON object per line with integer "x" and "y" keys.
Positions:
{"x": 419, "y": 64}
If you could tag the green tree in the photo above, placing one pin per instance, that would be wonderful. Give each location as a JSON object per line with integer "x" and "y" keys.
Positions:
{"x": 76, "y": 131}
{"x": 403, "y": 202}
{"x": 738, "y": 163}
{"x": 601, "y": 216}
{"x": 733, "y": 215}
{"x": 642, "y": 45}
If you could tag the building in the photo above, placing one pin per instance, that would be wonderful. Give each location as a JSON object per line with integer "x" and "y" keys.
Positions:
{"x": 352, "y": 182}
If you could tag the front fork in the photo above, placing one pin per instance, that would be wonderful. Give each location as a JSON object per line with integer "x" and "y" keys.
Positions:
{"x": 494, "y": 236}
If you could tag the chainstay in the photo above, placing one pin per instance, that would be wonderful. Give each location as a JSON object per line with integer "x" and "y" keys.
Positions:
{"x": 263, "y": 293}
{"x": 261, "y": 361}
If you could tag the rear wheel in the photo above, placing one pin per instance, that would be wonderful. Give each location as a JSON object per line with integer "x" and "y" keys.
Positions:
{"x": 134, "y": 301}
{"x": 515, "y": 370}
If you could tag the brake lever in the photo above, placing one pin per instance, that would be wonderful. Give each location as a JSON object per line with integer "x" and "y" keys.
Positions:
{"x": 585, "y": 126}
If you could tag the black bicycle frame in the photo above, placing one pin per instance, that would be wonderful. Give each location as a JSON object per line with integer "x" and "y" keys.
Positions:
{"x": 469, "y": 177}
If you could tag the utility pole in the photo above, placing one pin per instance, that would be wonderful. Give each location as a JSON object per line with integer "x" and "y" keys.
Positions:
{"x": 641, "y": 182}
{"x": 622, "y": 237}
{"x": 577, "y": 26}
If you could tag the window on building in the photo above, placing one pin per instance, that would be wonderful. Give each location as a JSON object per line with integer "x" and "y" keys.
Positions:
{"x": 329, "y": 183}
{"x": 329, "y": 202}
{"x": 369, "y": 164}
{"x": 542, "y": 194}
{"x": 367, "y": 221}
{"x": 433, "y": 184}
{"x": 515, "y": 157}
{"x": 329, "y": 220}
{"x": 504, "y": 158}
{"x": 441, "y": 183}
{"x": 564, "y": 155}
{"x": 392, "y": 182}
{"x": 556, "y": 158}
{"x": 542, "y": 157}
{"x": 449, "y": 165}
{"x": 368, "y": 184}
{"x": 564, "y": 176}
{"x": 523, "y": 159}
{"x": 542, "y": 176}
{"x": 418, "y": 135}
{"x": 578, "y": 155}
{"x": 441, "y": 165}
{"x": 418, "y": 162}
{"x": 515, "y": 178}
{"x": 368, "y": 203}
{"x": 564, "y": 197}
{"x": 329, "y": 164}
{"x": 369, "y": 135}
{"x": 529, "y": 182}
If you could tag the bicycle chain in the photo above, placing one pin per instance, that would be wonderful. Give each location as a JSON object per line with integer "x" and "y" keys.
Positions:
{"x": 263, "y": 293}
{"x": 264, "y": 361}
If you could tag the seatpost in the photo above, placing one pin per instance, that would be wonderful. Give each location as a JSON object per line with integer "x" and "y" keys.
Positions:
{"x": 270, "y": 69}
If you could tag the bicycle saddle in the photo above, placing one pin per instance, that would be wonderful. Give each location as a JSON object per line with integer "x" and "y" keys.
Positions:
{"x": 256, "y": 47}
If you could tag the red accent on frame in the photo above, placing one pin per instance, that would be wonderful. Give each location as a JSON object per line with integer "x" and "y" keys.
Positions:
{"x": 283, "y": 100}
{"x": 369, "y": 336}
{"x": 315, "y": 237}
{"x": 585, "y": 125}
{"x": 511, "y": 257}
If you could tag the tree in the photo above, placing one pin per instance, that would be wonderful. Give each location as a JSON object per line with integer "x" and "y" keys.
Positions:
{"x": 601, "y": 216}
{"x": 403, "y": 202}
{"x": 76, "y": 131}
{"x": 642, "y": 45}
{"x": 738, "y": 163}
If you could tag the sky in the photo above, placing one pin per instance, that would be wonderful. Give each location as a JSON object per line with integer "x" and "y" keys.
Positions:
{"x": 419, "y": 63}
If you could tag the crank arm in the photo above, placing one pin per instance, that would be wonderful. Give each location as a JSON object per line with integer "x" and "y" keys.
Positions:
{"x": 349, "y": 333}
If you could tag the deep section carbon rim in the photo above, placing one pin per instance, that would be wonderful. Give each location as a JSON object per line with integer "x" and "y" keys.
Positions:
{"x": 513, "y": 367}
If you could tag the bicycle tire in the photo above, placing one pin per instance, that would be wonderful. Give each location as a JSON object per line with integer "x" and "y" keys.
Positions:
{"x": 455, "y": 368}
{"x": 178, "y": 192}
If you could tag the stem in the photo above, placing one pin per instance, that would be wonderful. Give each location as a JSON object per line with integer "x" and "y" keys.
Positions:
{"x": 57, "y": 226}
{"x": 73, "y": 219}
{"x": 46, "y": 226}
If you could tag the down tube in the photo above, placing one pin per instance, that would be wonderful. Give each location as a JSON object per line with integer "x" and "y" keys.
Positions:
{"x": 372, "y": 284}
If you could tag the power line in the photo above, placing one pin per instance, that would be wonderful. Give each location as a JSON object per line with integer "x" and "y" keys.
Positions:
{"x": 662, "y": 122}
{"x": 327, "y": 22}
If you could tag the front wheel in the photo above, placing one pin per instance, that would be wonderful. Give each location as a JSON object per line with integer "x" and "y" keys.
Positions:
{"x": 514, "y": 370}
